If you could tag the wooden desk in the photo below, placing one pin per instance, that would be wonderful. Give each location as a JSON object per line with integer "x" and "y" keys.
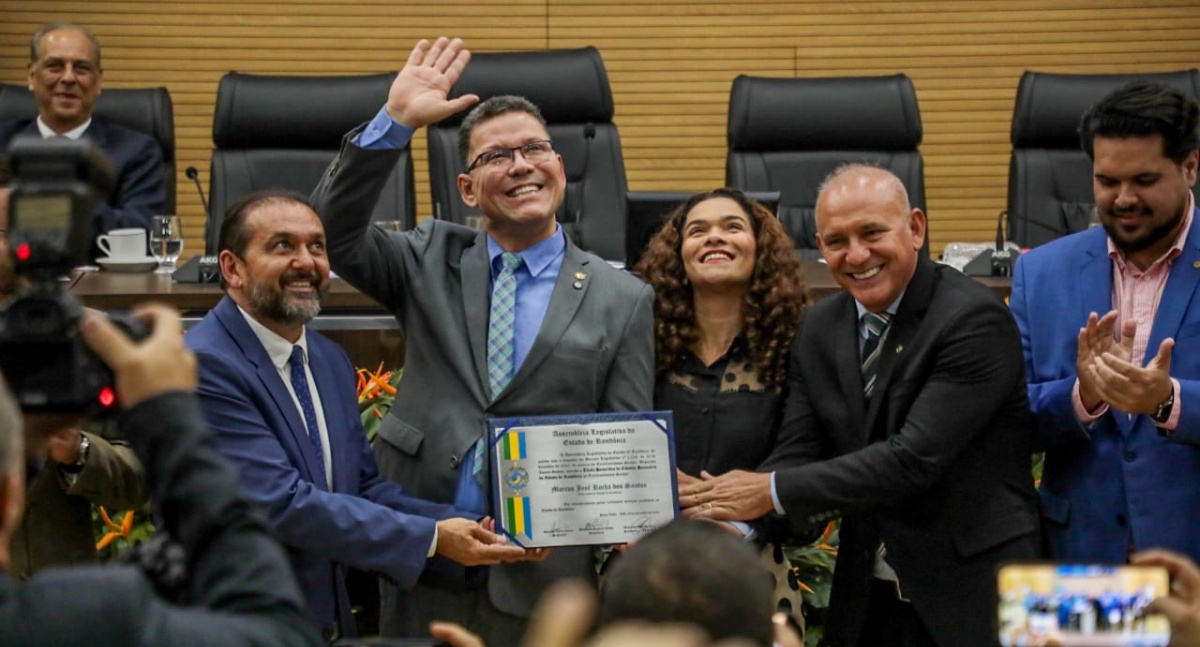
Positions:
{"x": 820, "y": 282}
{"x": 368, "y": 332}
{"x": 113, "y": 291}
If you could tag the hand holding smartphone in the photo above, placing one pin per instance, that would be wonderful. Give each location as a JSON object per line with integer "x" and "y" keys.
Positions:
{"x": 1072, "y": 605}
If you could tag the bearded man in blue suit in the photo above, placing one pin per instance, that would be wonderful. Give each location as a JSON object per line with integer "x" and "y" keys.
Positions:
{"x": 282, "y": 401}
{"x": 1110, "y": 326}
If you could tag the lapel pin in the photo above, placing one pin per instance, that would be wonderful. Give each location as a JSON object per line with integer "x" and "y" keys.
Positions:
{"x": 899, "y": 348}
{"x": 579, "y": 276}
{"x": 1196, "y": 265}
{"x": 578, "y": 285}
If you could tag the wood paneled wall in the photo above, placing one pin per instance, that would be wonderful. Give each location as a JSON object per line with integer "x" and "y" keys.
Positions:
{"x": 670, "y": 62}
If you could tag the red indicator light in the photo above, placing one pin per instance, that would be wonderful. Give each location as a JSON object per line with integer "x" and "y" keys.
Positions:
{"x": 107, "y": 397}
{"x": 23, "y": 252}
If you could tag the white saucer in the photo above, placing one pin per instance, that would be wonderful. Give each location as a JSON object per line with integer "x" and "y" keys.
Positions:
{"x": 128, "y": 265}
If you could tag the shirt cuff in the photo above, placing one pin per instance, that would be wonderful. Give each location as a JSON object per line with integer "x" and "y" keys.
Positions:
{"x": 744, "y": 528}
{"x": 433, "y": 544}
{"x": 775, "y": 496}
{"x": 1085, "y": 417}
{"x": 1173, "y": 419}
{"x": 383, "y": 133}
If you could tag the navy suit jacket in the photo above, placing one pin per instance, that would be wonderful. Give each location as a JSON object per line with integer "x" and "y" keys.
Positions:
{"x": 365, "y": 521}
{"x": 1120, "y": 480}
{"x": 141, "y": 183}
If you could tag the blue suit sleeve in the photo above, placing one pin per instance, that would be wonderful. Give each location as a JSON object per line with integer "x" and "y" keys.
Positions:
{"x": 1054, "y": 421}
{"x": 382, "y": 530}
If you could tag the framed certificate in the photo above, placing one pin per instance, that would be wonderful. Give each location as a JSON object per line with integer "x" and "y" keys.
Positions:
{"x": 605, "y": 478}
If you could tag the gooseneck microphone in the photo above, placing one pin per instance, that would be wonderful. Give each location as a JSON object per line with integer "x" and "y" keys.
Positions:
{"x": 589, "y": 133}
{"x": 199, "y": 269}
{"x": 194, "y": 176}
{"x": 994, "y": 262}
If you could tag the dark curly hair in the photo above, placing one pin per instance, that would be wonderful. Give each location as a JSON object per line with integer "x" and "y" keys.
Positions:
{"x": 770, "y": 309}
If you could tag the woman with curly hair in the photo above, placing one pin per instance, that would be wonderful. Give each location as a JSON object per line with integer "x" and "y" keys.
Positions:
{"x": 729, "y": 297}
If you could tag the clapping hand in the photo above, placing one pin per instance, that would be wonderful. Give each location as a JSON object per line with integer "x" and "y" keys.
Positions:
{"x": 1111, "y": 373}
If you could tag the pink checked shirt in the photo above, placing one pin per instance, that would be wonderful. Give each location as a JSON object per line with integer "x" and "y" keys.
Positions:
{"x": 1135, "y": 296}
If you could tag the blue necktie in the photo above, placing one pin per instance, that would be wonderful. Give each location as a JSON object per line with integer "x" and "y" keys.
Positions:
{"x": 502, "y": 323}
{"x": 501, "y": 351}
{"x": 501, "y": 345}
{"x": 876, "y": 325}
{"x": 300, "y": 386}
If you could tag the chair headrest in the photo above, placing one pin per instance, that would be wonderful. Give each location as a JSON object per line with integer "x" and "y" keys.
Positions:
{"x": 567, "y": 85}
{"x": 297, "y": 112}
{"x": 1049, "y": 107}
{"x": 844, "y": 113}
{"x": 146, "y": 110}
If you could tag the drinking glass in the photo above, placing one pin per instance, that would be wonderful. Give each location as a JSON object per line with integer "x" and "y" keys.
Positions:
{"x": 166, "y": 242}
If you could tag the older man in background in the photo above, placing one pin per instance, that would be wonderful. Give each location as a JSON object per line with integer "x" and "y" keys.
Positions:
{"x": 66, "y": 78}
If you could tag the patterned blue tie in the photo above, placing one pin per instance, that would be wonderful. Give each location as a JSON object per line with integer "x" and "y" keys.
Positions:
{"x": 501, "y": 340}
{"x": 876, "y": 325}
{"x": 501, "y": 323}
{"x": 300, "y": 386}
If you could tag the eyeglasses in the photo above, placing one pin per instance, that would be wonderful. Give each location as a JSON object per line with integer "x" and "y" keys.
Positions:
{"x": 533, "y": 152}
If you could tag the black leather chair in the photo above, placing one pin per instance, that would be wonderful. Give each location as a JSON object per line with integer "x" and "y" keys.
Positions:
{"x": 147, "y": 110}
{"x": 571, "y": 89}
{"x": 283, "y": 131}
{"x": 786, "y": 135}
{"x": 1049, "y": 175}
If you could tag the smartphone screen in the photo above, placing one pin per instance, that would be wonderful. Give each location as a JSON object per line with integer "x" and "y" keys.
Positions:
{"x": 1081, "y": 605}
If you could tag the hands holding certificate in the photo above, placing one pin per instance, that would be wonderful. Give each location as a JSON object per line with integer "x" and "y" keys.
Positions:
{"x": 476, "y": 544}
{"x": 734, "y": 496}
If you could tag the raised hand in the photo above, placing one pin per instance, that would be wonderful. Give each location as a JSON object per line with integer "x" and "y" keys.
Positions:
{"x": 418, "y": 96}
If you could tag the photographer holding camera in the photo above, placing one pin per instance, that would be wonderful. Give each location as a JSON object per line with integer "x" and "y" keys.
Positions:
{"x": 82, "y": 468}
{"x": 239, "y": 589}
{"x": 214, "y": 575}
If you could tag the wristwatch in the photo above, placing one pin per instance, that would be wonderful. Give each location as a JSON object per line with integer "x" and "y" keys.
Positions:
{"x": 77, "y": 466}
{"x": 1163, "y": 412}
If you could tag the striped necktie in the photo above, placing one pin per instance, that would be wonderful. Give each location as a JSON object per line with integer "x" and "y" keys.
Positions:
{"x": 876, "y": 325}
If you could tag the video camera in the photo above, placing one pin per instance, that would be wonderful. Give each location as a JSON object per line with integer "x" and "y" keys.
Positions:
{"x": 45, "y": 360}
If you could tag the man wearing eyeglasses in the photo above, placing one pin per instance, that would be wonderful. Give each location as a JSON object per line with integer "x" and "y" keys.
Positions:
{"x": 578, "y": 339}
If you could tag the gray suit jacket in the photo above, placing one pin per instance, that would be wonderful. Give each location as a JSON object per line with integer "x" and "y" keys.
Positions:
{"x": 594, "y": 351}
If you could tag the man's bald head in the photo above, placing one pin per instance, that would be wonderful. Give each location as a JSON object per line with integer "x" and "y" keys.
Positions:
{"x": 851, "y": 178}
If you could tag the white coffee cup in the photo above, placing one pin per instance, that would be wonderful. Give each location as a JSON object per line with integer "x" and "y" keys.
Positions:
{"x": 124, "y": 244}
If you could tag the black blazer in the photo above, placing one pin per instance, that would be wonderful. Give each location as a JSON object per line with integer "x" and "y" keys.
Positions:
{"x": 938, "y": 465}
